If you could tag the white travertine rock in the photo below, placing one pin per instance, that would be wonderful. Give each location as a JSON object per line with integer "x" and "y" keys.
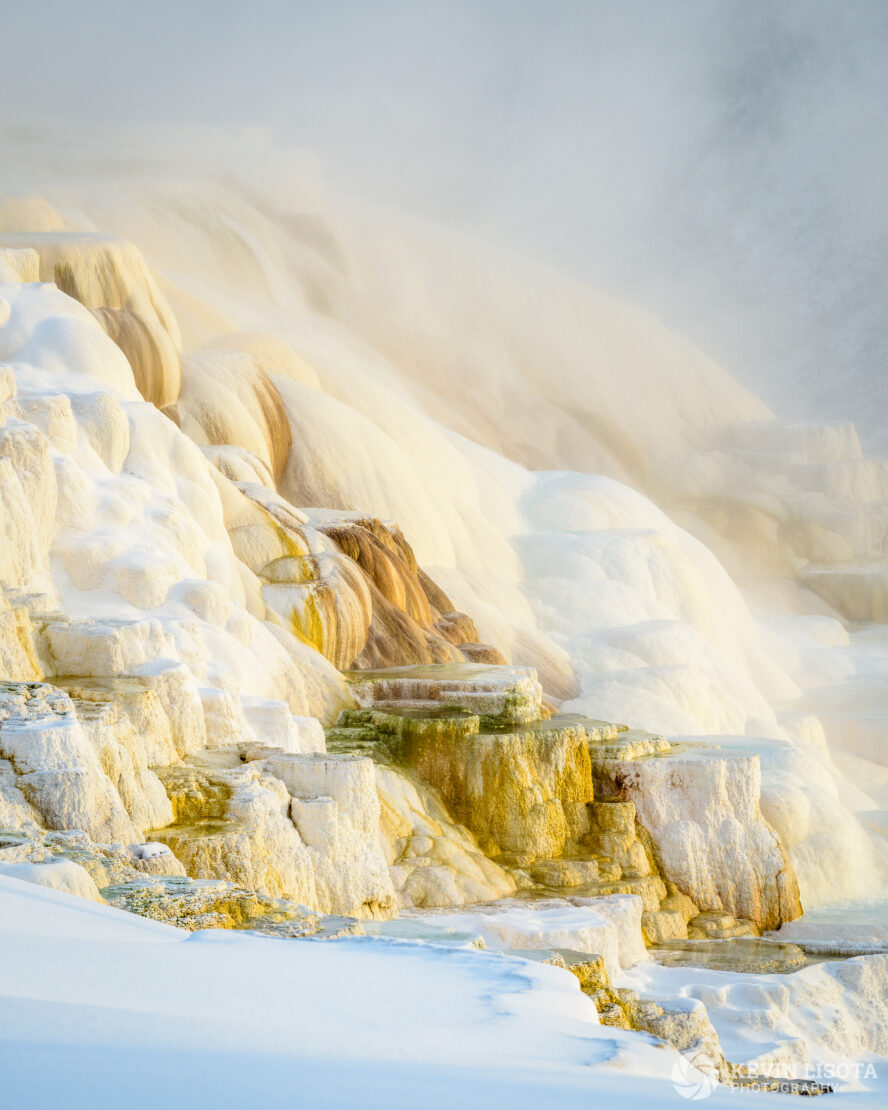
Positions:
{"x": 310, "y": 733}
{"x": 20, "y": 554}
{"x": 77, "y": 505}
{"x": 25, "y": 461}
{"x": 173, "y": 707}
{"x": 104, "y": 426}
{"x": 51, "y": 414}
{"x": 208, "y": 601}
{"x": 176, "y": 487}
{"x": 701, "y": 808}
{"x": 142, "y": 578}
{"x": 306, "y": 681}
{"x": 803, "y": 803}
{"x": 228, "y": 399}
{"x": 335, "y": 808}
{"x": 274, "y": 726}
{"x": 57, "y": 767}
{"x": 57, "y": 337}
{"x": 85, "y": 558}
{"x": 15, "y": 810}
{"x": 108, "y": 647}
{"x": 226, "y": 723}
{"x": 254, "y": 844}
{"x": 8, "y": 389}
{"x": 239, "y": 821}
{"x": 237, "y": 464}
{"x": 123, "y": 754}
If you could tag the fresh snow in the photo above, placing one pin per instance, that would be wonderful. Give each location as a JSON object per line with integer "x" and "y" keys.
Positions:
{"x": 104, "y": 1009}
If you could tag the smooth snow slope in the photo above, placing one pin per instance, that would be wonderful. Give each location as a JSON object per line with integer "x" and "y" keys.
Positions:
{"x": 102, "y": 1009}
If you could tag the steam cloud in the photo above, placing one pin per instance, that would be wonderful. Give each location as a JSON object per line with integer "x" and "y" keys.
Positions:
{"x": 719, "y": 163}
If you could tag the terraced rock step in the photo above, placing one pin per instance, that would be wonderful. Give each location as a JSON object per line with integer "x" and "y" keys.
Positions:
{"x": 497, "y": 694}
{"x": 297, "y": 826}
{"x": 525, "y": 788}
{"x": 859, "y": 591}
{"x": 627, "y": 743}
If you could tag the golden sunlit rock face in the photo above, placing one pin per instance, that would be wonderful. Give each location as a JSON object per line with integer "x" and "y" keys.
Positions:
{"x": 281, "y": 652}
{"x": 412, "y": 619}
{"x": 552, "y": 799}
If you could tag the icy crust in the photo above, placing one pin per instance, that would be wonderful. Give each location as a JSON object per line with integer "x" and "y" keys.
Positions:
{"x": 814, "y": 1021}
{"x": 608, "y": 927}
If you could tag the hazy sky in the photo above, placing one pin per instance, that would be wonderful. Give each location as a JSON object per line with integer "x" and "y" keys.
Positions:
{"x": 723, "y": 163}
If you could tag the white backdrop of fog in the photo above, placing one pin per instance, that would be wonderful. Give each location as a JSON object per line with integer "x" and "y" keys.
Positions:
{"x": 722, "y": 163}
